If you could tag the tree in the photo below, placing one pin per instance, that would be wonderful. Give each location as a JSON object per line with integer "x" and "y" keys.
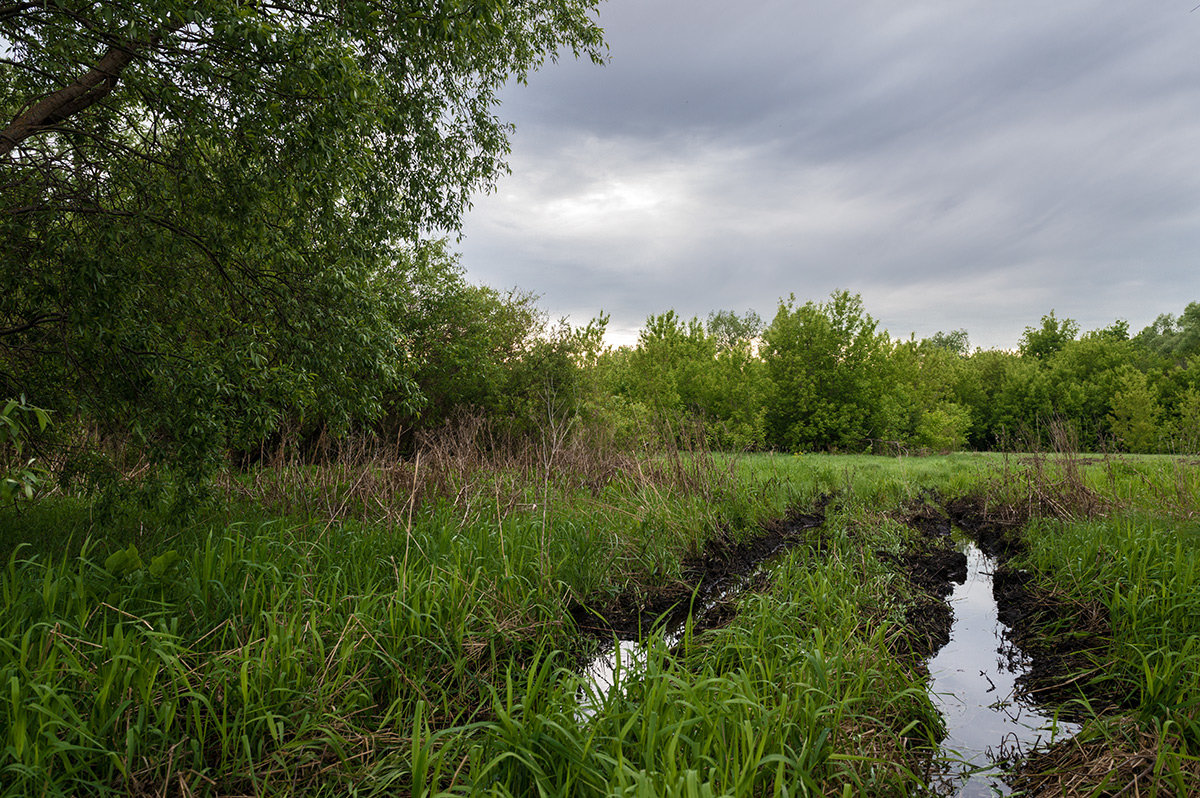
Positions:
{"x": 956, "y": 341}
{"x": 480, "y": 350}
{"x": 1010, "y": 398}
{"x": 671, "y": 365}
{"x": 1053, "y": 335}
{"x": 1083, "y": 377}
{"x": 734, "y": 405}
{"x": 1135, "y": 412}
{"x": 828, "y": 370}
{"x": 730, "y": 331}
{"x": 924, "y": 405}
{"x": 1184, "y": 428}
{"x": 944, "y": 428}
{"x": 197, "y": 198}
{"x": 1171, "y": 337}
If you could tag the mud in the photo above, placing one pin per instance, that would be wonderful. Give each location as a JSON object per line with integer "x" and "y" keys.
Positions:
{"x": 1052, "y": 642}
{"x": 706, "y": 582}
{"x": 1056, "y": 635}
{"x": 933, "y": 566}
{"x": 1052, "y": 637}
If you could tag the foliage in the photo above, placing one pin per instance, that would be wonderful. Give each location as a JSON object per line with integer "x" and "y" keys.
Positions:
{"x": 1183, "y": 431}
{"x": 355, "y": 654}
{"x": 730, "y": 331}
{"x": 683, "y": 373}
{"x": 199, "y": 199}
{"x": 735, "y": 405}
{"x": 928, "y": 404}
{"x": 827, "y": 368}
{"x": 1145, "y": 572}
{"x": 820, "y": 376}
{"x": 956, "y": 341}
{"x": 1052, "y": 336}
{"x": 1135, "y": 412}
{"x": 1176, "y": 338}
{"x": 944, "y": 428}
{"x": 19, "y": 476}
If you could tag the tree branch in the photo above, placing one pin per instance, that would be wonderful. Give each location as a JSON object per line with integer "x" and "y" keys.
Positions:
{"x": 36, "y": 321}
{"x": 96, "y": 84}
{"x": 14, "y": 10}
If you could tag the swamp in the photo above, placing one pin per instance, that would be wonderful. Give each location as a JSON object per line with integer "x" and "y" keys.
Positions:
{"x": 294, "y": 501}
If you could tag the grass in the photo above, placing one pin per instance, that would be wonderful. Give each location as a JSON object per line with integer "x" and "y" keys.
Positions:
{"x": 380, "y": 626}
{"x": 1143, "y": 572}
{"x": 800, "y": 695}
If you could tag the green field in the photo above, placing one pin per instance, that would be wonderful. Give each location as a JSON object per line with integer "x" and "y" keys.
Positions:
{"x": 406, "y": 627}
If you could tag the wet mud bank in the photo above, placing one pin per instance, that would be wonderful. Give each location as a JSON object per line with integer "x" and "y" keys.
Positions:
{"x": 932, "y": 565}
{"x": 708, "y": 585}
{"x": 1056, "y": 636}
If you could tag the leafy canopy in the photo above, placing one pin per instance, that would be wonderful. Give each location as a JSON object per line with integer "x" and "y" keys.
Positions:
{"x": 197, "y": 199}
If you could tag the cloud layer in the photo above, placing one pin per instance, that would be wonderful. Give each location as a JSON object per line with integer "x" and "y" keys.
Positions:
{"x": 959, "y": 164}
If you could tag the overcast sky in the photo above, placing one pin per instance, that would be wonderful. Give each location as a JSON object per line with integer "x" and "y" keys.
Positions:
{"x": 960, "y": 164}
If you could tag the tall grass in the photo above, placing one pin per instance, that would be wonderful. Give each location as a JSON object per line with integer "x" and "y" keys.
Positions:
{"x": 338, "y": 647}
{"x": 798, "y": 696}
{"x": 865, "y": 481}
{"x": 395, "y": 631}
{"x": 1145, "y": 573}
{"x": 1119, "y": 535}
{"x": 375, "y": 625}
{"x": 255, "y": 663}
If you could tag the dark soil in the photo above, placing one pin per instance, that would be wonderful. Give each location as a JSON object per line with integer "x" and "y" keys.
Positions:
{"x": 1056, "y": 635}
{"x": 723, "y": 567}
{"x": 933, "y": 566}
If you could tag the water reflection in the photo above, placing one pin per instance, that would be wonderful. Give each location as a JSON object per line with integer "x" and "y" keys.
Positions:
{"x": 974, "y": 683}
{"x": 628, "y": 656}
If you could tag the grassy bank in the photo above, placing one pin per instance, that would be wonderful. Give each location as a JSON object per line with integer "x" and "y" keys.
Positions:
{"x": 1113, "y": 551}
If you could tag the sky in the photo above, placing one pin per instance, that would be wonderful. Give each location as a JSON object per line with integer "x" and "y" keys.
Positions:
{"x": 960, "y": 164}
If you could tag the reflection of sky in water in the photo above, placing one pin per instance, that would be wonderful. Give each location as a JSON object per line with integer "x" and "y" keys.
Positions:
{"x": 601, "y": 671}
{"x": 974, "y": 687}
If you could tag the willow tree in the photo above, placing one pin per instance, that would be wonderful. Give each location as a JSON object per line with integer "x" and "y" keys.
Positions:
{"x": 198, "y": 199}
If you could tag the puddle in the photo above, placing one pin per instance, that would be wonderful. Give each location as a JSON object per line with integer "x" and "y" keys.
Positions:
{"x": 628, "y": 656}
{"x": 973, "y": 682}
{"x": 601, "y": 672}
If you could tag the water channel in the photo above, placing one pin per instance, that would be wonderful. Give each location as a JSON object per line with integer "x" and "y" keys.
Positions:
{"x": 629, "y": 656}
{"x": 973, "y": 681}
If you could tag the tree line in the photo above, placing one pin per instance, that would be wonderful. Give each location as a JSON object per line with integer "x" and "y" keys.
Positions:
{"x": 819, "y": 376}
{"x": 822, "y": 376}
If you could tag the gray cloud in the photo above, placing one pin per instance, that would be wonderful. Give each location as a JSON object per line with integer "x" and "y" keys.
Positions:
{"x": 960, "y": 164}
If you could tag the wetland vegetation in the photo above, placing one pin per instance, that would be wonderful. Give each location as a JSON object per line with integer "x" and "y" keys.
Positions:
{"x": 424, "y": 633}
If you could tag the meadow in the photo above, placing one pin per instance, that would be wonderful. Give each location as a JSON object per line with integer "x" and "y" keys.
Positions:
{"x": 377, "y": 626}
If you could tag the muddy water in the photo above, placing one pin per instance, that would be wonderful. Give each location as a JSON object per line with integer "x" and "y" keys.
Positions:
{"x": 973, "y": 682}
{"x": 628, "y": 655}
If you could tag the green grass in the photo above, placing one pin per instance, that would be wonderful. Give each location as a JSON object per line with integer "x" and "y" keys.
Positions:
{"x": 867, "y": 480}
{"x": 800, "y": 695}
{"x": 396, "y": 628}
{"x": 1144, "y": 572}
{"x": 307, "y": 653}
